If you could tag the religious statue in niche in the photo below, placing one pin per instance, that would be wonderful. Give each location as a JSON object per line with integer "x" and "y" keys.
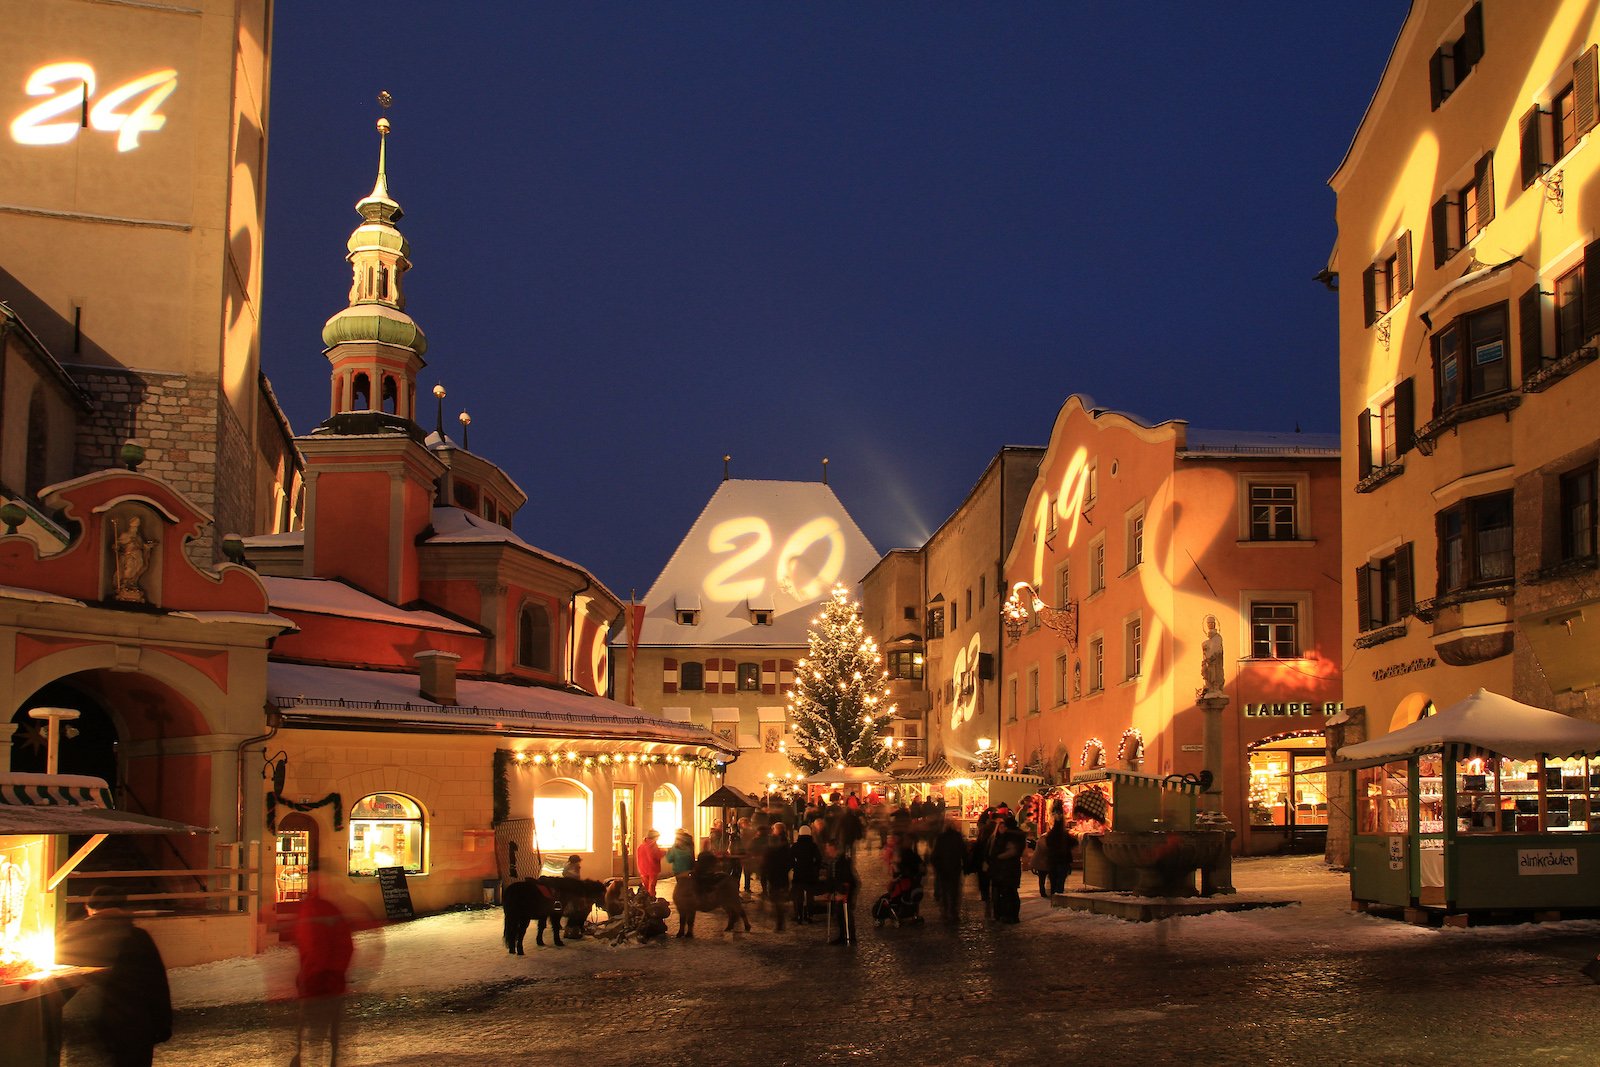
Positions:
{"x": 770, "y": 738}
{"x": 1077, "y": 679}
{"x": 131, "y": 551}
{"x": 1211, "y": 661}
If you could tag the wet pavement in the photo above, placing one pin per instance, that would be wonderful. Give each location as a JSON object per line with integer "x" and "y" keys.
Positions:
{"x": 1311, "y": 984}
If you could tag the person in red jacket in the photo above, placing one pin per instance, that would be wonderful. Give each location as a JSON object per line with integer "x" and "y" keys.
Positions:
{"x": 322, "y": 938}
{"x": 649, "y": 859}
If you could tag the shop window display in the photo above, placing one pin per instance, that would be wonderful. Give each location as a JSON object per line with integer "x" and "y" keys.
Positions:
{"x": 1525, "y": 796}
{"x": 666, "y": 812}
{"x": 1383, "y": 805}
{"x": 1276, "y": 798}
{"x": 385, "y": 831}
{"x": 561, "y": 818}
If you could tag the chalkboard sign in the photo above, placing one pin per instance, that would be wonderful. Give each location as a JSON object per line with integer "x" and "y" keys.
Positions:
{"x": 396, "y": 895}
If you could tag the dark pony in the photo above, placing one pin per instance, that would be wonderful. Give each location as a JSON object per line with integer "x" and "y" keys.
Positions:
{"x": 547, "y": 900}
{"x": 723, "y": 895}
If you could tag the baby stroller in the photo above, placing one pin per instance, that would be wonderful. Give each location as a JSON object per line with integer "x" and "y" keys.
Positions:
{"x": 900, "y": 904}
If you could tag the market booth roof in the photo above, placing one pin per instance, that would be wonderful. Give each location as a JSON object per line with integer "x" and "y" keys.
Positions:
{"x": 1176, "y": 783}
{"x": 729, "y": 797}
{"x": 72, "y": 804}
{"x": 935, "y": 770}
{"x": 847, "y": 776}
{"x": 1484, "y": 721}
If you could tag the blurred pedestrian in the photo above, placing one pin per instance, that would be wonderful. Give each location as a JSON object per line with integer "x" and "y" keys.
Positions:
{"x": 842, "y": 898}
{"x": 949, "y": 864}
{"x": 807, "y": 868}
{"x": 325, "y": 946}
{"x": 1061, "y": 844}
{"x": 1005, "y": 870}
{"x": 680, "y": 857}
{"x": 1039, "y": 863}
{"x": 776, "y": 864}
{"x": 574, "y": 867}
{"x": 755, "y": 838}
{"x": 980, "y": 854}
{"x": 649, "y": 859}
{"x": 127, "y": 1006}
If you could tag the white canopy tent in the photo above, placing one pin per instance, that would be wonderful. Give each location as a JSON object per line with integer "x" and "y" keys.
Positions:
{"x": 848, "y": 776}
{"x": 1486, "y": 721}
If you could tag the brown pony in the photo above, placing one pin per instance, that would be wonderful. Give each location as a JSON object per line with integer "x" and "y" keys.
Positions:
{"x": 724, "y": 894}
{"x": 546, "y": 900}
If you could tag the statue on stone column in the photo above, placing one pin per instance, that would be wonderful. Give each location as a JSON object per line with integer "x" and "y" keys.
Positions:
{"x": 1211, "y": 661}
{"x": 131, "y": 551}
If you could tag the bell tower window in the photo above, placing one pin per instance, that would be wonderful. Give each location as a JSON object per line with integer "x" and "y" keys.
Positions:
{"x": 390, "y": 394}
{"x": 383, "y": 283}
{"x": 360, "y": 393}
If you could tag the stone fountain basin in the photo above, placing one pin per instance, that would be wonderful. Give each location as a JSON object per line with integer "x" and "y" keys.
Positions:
{"x": 1164, "y": 861}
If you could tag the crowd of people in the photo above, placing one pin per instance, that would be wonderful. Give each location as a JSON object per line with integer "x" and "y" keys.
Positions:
{"x": 800, "y": 859}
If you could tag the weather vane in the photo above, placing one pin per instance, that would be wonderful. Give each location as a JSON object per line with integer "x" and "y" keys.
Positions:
{"x": 384, "y": 100}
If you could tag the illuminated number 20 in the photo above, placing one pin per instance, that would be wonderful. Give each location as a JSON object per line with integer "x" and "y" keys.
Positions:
{"x": 723, "y": 584}
{"x": 70, "y": 85}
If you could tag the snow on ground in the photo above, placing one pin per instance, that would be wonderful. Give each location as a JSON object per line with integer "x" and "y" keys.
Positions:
{"x": 461, "y": 949}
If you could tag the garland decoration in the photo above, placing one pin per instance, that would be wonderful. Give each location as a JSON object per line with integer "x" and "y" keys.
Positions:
{"x": 273, "y": 800}
{"x": 603, "y": 761}
{"x": 501, "y": 786}
{"x": 1134, "y": 753}
{"x": 1098, "y": 747}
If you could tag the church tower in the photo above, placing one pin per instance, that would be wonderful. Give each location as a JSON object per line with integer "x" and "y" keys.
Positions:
{"x": 370, "y": 477}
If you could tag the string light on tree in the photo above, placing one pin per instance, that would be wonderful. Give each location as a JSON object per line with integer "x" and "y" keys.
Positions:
{"x": 839, "y": 703}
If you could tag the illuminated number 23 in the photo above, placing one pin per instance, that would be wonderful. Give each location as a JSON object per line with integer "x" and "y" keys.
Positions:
{"x": 723, "y": 586}
{"x": 70, "y": 86}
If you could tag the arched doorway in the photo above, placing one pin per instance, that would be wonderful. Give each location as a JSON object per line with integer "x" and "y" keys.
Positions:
{"x": 296, "y": 854}
{"x": 88, "y": 744}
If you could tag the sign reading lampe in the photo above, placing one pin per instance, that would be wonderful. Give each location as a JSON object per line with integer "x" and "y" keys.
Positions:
{"x": 1063, "y": 620}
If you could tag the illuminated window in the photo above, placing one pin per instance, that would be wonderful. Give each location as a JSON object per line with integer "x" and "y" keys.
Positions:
{"x": 666, "y": 811}
{"x": 1033, "y": 690}
{"x": 691, "y": 675}
{"x": 385, "y": 831}
{"x": 1275, "y": 630}
{"x": 1570, "y": 331}
{"x": 1470, "y": 359}
{"x": 935, "y": 622}
{"x": 1384, "y": 590}
{"x": 1452, "y": 61}
{"x": 533, "y": 637}
{"x": 1133, "y": 646}
{"x": 1461, "y": 213}
{"x": 1097, "y": 664}
{"x": 749, "y": 677}
{"x": 1475, "y": 543}
{"x": 1578, "y": 513}
{"x": 1388, "y": 279}
{"x": 1097, "y": 565}
{"x": 1276, "y": 798}
{"x": 561, "y": 817}
{"x": 1272, "y": 512}
{"x": 905, "y": 665}
{"x": 1063, "y": 679}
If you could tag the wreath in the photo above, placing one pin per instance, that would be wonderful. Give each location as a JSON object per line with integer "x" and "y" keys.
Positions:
{"x": 1098, "y": 747}
{"x": 1135, "y": 753}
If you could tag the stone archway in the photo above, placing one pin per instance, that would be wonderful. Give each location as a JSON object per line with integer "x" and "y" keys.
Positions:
{"x": 88, "y": 746}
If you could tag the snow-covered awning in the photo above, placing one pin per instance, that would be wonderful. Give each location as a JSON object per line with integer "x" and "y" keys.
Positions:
{"x": 1484, "y": 721}
{"x": 1174, "y": 783}
{"x": 392, "y": 700}
{"x": 72, "y": 804}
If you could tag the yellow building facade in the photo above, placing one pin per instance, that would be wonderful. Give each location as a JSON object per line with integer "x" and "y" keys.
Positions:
{"x": 1469, "y": 307}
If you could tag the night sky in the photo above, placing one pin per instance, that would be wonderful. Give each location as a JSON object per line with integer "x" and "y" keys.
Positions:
{"x": 897, "y": 235}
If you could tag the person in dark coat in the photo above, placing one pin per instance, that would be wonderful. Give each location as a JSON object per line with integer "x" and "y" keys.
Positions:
{"x": 128, "y": 1006}
{"x": 1005, "y": 870}
{"x": 807, "y": 867}
{"x": 323, "y": 939}
{"x": 846, "y": 886}
{"x": 1060, "y": 843}
{"x": 949, "y": 859}
{"x": 980, "y": 855}
{"x": 776, "y": 863}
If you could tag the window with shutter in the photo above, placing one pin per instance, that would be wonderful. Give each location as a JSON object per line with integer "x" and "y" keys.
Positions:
{"x": 1530, "y": 139}
{"x": 1453, "y": 61}
{"x": 1439, "y": 221}
{"x": 1530, "y": 330}
{"x": 1585, "y": 82}
{"x": 1405, "y": 417}
{"x": 1363, "y": 598}
{"x": 1364, "y": 443}
{"x": 1402, "y": 262}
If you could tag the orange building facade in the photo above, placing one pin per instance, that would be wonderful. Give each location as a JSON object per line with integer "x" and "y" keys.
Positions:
{"x": 1133, "y": 539}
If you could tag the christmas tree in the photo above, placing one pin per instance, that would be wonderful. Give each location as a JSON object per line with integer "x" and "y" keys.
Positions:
{"x": 838, "y": 705}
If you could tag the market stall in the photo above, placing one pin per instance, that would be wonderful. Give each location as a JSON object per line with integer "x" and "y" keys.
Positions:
{"x": 1128, "y": 801}
{"x": 38, "y": 812}
{"x": 1489, "y": 804}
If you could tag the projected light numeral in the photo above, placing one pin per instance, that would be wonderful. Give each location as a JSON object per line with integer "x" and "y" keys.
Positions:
{"x": 731, "y": 580}
{"x": 69, "y": 86}
{"x": 965, "y": 677}
{"x": 1068, "y": 508}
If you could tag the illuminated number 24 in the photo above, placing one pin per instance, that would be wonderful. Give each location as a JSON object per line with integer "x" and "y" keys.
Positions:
{"x": 70, "y": 85}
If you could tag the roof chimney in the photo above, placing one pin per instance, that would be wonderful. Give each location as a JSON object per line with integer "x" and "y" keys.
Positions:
{"x": 437, "y": 676}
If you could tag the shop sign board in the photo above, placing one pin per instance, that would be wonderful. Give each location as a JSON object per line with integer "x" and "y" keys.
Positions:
{"x": 1547, "y": 861}
{"x": 396, "y": 894}
{"x": 1397, "y": 853}
{"x": 1292, "y": 710}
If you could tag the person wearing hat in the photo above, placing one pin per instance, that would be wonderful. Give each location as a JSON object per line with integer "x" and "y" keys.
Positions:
{"x": 574, "y": 867}
{"x": 649, "y": 859}
{"x": 127, "y": 1006}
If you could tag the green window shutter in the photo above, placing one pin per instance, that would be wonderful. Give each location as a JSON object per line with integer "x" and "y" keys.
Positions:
{"x": 1405, "y": 416}
{"x": 1585, "y": 80}
{"x": 1530, "y": 327}
{"x": 1591, "y": 308}
{"x": 1363, "y": 598}
{"x": 1470, "y": 47}
{"x": 1403, "y": 263}
{"x": 1436, "y": 77}
{"x": 1532, "y": 163}
{"x": 1483, "y": 177}
{"x": 1439, "y": 220}
{"x": 1369, "y": 295}
{"x": 1403, "y": 579}
{"x": 1364, "y": 443}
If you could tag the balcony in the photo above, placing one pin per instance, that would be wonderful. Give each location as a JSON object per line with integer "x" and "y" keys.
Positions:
{"x": 1427, "y": 436}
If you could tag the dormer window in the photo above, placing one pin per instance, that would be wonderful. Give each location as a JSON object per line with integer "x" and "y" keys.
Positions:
{"x": 761, "y": 608}
{"x": 688, "y": 617}
{"x": 761, "y": 618}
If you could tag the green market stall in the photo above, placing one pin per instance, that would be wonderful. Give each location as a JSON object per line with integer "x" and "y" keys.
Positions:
{"x": 1488, "y": 805}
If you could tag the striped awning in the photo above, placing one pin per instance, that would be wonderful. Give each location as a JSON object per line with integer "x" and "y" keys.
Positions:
{"x": 937, "y": 770}
{"x": 1004, "y": 776}
{"x": 1174, "y": 783}
{"x": 63, "y": 791}
{"x": 72, "y": 804}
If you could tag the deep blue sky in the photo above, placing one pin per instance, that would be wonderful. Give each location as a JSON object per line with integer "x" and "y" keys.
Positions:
{"x": 895, "y": 234}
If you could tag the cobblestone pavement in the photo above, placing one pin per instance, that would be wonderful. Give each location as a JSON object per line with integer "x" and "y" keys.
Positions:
{"x": 1308, "y": 985}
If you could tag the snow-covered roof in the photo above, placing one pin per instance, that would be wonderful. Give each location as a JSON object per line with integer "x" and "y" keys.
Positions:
{"x": 1490, "y": 722}
{"x": 454, "y": 526}
{"x": 288, "y": 539}
{"x": 757, "y": 546}
{"x": 1259, "y": 443}
{"x": 324, "y": 596}
{"x": 355, "y": 696}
